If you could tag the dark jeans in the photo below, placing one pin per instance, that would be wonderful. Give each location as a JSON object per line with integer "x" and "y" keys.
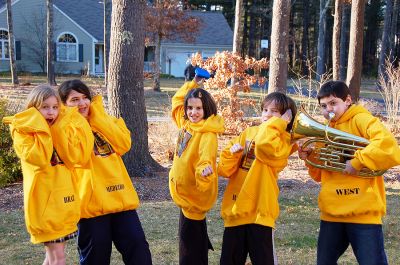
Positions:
{"x": 253, "y": 239}
{"x": 193, "y": 241}
{"x": 124, "y": 229}
{"x": 365, "y": 239}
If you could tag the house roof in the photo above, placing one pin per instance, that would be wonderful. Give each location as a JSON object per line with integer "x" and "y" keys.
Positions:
{"x": 88, "y": 14}
{"x": 215, "y": 29}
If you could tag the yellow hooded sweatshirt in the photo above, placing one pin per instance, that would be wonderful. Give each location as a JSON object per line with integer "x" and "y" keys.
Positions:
{"x": 351, "y": 199}
{"x": 48, "y": 157}
{"x": 251, "y": 196}
{"x": 195, "y": 150}
{"x": 106, "y": 186}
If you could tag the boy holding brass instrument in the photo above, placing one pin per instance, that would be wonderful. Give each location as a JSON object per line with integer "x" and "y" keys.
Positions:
{"x": 351, "y": 206}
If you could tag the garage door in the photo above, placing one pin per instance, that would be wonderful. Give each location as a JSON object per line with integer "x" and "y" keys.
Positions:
{"x": 176, "y": 63}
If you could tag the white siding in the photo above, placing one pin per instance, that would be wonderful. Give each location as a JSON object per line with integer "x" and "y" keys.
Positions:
{"x": 30, "y": 12}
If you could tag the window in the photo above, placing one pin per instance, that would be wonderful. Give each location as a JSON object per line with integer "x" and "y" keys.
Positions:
{"x": 4, "y": 51}
{"x": 149, "y": 53}
{"x": 67, "y": 48}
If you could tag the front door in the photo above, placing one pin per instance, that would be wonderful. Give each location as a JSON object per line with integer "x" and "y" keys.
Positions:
{"x": 98, "y": 58}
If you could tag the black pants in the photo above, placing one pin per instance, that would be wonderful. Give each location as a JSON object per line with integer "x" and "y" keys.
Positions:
{"x": 193, "y": 241}
{"x": 124, "y": 229}
{"x": 255, "y": 240}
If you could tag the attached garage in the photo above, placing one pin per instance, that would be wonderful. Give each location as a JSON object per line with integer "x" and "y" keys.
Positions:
{"x": 215, "y": 35}
{"x": 176, "y": 62}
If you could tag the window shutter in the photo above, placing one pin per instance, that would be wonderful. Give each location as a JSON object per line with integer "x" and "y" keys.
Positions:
{"x": 55, "y": 52}
{"x": 17, "y": 50}
{"x": 81, "y": 52}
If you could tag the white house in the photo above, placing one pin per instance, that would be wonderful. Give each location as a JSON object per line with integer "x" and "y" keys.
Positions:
{"x": 79, "y": 38}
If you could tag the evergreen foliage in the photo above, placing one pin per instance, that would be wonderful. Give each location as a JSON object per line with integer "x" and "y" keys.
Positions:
{"x": 10, "y": 166}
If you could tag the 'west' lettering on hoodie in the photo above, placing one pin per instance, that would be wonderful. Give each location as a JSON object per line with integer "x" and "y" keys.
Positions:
{"x": 348, "y": 191}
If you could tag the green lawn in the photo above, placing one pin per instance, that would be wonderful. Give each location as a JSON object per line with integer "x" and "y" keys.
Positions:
{"x": 295, "y": 236}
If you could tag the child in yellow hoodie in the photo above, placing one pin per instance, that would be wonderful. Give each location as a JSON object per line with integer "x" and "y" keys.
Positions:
{"x": 50, "y": 141}
{"x": 108, "y": 197}
{"x": 193, "y": 181}
{"x": 352, "y": 207}
{"x": 252, "y": 162}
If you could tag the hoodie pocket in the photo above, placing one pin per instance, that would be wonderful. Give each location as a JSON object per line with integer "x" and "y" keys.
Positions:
{"x": 245, "y": 204}
{"x": 62, "y": 209}
{"x": 343, "y": 196}
{"x": 118, "y": 195}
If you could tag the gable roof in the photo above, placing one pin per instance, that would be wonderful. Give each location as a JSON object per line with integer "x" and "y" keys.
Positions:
{"x": 215, "y": 29}
{"x": 88, "y": 14}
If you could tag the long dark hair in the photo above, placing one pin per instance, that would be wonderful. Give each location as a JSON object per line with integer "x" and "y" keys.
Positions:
{"x": 209, "y": 106}
{"x": 66, "y": 87}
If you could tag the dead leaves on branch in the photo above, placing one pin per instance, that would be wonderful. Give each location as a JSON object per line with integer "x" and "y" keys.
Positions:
{"x": 166, "y": 20}
{"x": 232, "y": 74}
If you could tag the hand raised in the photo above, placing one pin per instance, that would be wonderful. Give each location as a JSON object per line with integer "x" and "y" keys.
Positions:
{"x": 287, "y": 116}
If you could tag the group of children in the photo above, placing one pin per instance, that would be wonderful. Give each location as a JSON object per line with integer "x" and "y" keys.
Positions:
{"x": 74, "y": 177}
{"x": 351, "y": 207}
{"x": 75, "y": 182}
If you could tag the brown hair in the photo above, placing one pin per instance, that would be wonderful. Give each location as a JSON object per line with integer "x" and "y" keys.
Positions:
{"x": 338, "y": 89}
{"x": 283, "y": 103}
{"x": 66, "y": 87}
{"x": 209, "y": 106}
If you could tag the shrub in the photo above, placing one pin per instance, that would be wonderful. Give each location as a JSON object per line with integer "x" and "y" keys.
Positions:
{"x": 390, "y": 91}
{"x": 166, "y": 76}
{"x": 10, "y": 167}
{"x": 306, "y": 87}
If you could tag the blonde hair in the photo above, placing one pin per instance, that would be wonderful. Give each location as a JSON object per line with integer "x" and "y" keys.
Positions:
{"x": 40, "y": 94}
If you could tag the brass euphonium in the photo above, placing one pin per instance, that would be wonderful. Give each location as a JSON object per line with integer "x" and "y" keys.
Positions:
{"x": 332, "y": 147}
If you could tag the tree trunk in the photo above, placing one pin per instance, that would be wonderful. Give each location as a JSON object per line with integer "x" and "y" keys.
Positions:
{"x": 125, "y": 81}
{"x": 245, "y": 32}
{"x": 396, "y": 6}
{"x": 252, "y": 32}
{"x": 321, "y": 56}
{"x": 336, "y": 39}
{"x": 14, "y": 77}
{"x": 354, "y": 65}
{"x": 292, "y": 40}
{"x": 157, "y": 55}
{"x": 314, "y": 50}
{"x": 373, "y": 10}
{"x": 279, "y": 42}
{"x": 238, "y": 32}
{"x": 51, "y": 79}
{"x": 344, "y": 40}
{"x": 304, "y": 39}
{"x": 384, "y": 54}
{"x": 107, "y": 25}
